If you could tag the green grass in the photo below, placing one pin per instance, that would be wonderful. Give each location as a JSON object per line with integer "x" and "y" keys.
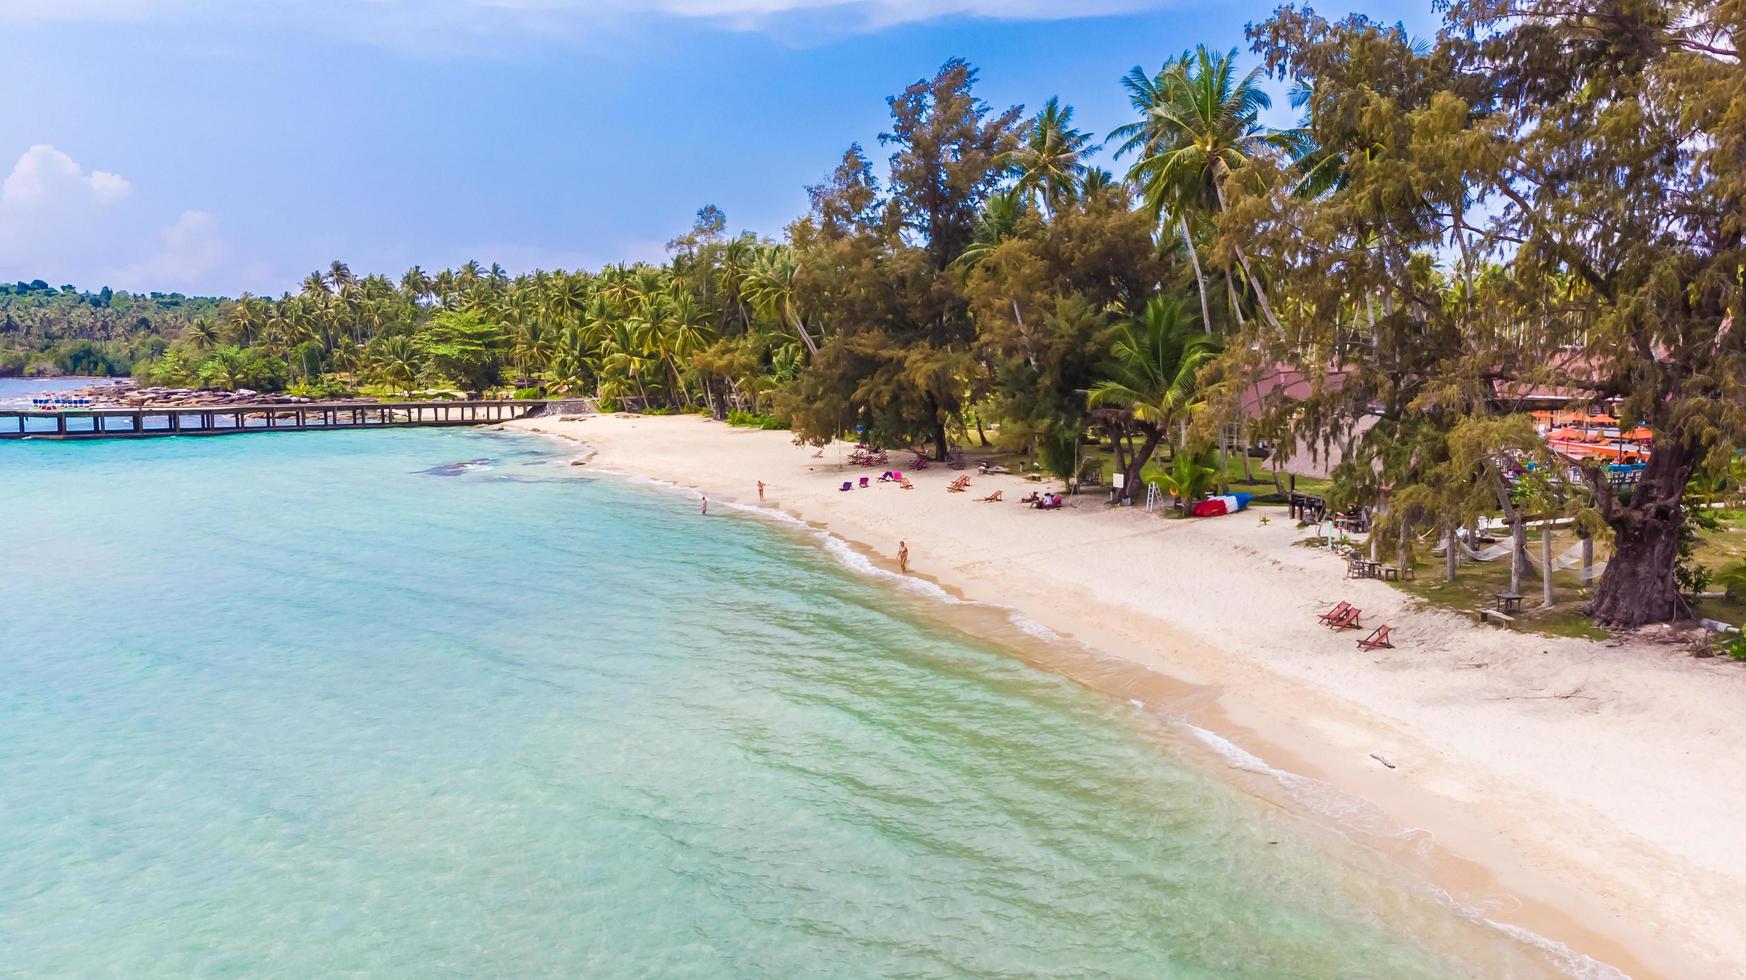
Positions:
{"x": 1261, "y": 485}
{"x": 1475, "y": 584}
{"x": 1722, "y": 551}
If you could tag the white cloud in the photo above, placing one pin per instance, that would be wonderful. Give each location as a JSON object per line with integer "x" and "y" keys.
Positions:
{"x": 62, "y": 223}
{"x": 188, "y": 253}
{"x": 47, "y": 177}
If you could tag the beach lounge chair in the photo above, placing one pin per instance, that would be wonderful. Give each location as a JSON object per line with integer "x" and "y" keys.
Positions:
{"x": 1337, "y": 611}
{"x": 1347, "y": 620}
{"x": 993, "y": 498}
{"x": 959, "y": 485}
{"x": 818, "y": 455}
{"x": 846, "y": 486}
{"x": 1376, "y": 640}
{"x": 863, "y": 483}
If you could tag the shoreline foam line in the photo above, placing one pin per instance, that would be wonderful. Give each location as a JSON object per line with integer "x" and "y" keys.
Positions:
{"x": 1341, "y": 811}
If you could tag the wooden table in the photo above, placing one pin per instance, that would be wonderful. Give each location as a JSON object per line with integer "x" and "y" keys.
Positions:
{"x": 1508, "y": 602}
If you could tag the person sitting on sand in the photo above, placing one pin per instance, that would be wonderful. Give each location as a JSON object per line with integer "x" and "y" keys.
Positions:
{"x": 1031, "y": 498}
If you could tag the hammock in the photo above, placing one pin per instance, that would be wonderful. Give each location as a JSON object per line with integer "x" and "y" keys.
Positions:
{"x": 1571, "y": 558}
{"x": 1492, "y": 553}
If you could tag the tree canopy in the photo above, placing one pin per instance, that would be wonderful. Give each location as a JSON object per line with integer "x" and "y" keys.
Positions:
{"x": 1539, "y": 206}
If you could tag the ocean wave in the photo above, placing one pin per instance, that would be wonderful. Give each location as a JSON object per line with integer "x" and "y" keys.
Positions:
{"x": 1313, "y": 794}
{"x": 1353, "y": 813}
{"x": 1578, "y": 965}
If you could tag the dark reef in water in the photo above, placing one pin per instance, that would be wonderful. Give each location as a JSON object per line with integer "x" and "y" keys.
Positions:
{"x": 456, "y": 469}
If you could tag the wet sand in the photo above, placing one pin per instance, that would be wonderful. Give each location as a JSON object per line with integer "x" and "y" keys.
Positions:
{"x": 1580, "y": 791}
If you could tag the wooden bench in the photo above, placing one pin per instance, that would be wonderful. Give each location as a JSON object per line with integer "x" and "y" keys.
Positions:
{"x": 1491, "y": 615}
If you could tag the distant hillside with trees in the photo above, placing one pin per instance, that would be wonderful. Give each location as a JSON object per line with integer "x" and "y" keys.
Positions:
{"x": 45, "y": 330}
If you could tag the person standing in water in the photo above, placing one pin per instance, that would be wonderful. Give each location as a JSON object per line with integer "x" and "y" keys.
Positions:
{"x": 704, "y": 510}
{"x": 903, "y": 557}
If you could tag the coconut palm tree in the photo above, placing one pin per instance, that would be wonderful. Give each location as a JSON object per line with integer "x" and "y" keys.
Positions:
{"x": 566, "y": 297}
{"x": 769, "y": 285}
{"x": 534, "y": 345}
{"x": 1190, "y": 475}
{"x": 243, "y": 318}
{"x": 1202, "y": 125}
{"x": 1050, "y": 162}
{"x": 1152, "y": 381}
{"x": 622, "y": 362}
{"x": 575, "y": 360}
{"x": 415, "y": 285}
{"x": 395, "y": 361}
{"x": 1096, "y": 181}
{"x": 201, "y": 335}
{"x": 730, "y": 277}
{"x": 999, "y": 222}
{"x": 685, "y": 331}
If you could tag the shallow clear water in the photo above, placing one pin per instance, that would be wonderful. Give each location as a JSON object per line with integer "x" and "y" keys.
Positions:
{"x": 307, "y": 704}
{"x": 16, "y": 392}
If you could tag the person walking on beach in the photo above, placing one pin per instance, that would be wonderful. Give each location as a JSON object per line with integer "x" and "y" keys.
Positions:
{"x": 704, "y": 510}
{"x": 760, "y": 491}
{"x": 903, "y": 557}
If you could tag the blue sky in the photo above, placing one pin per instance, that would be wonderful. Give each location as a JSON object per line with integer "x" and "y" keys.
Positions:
{"x": 223, "y": 145}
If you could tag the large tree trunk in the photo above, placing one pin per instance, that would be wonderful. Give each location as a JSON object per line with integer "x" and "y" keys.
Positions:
{"x": 1142, "y": 455}
{"x": 1638, "y": 586}
{"x": 718, "y": 401}
{"x": 938, "y": 425}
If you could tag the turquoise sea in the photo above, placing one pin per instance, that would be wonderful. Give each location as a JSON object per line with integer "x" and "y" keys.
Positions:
{"x": 316, "y": 704}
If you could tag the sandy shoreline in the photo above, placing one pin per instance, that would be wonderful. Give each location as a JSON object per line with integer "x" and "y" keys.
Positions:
{"x": 1585, "y": 792}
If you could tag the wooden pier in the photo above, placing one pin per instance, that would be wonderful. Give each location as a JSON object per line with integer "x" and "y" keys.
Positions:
{"x": 215, "y": 420}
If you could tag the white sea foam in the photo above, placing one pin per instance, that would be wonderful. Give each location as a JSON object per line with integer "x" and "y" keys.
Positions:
{"x": 1034, "y": 628}
{"x": 1576, "y": 964}
{"x": 1352, "y": 812}
{"x": 1313, "y": 794}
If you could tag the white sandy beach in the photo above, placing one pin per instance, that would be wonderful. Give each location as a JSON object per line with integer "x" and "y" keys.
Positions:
{"x": 1588, "y": 792}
